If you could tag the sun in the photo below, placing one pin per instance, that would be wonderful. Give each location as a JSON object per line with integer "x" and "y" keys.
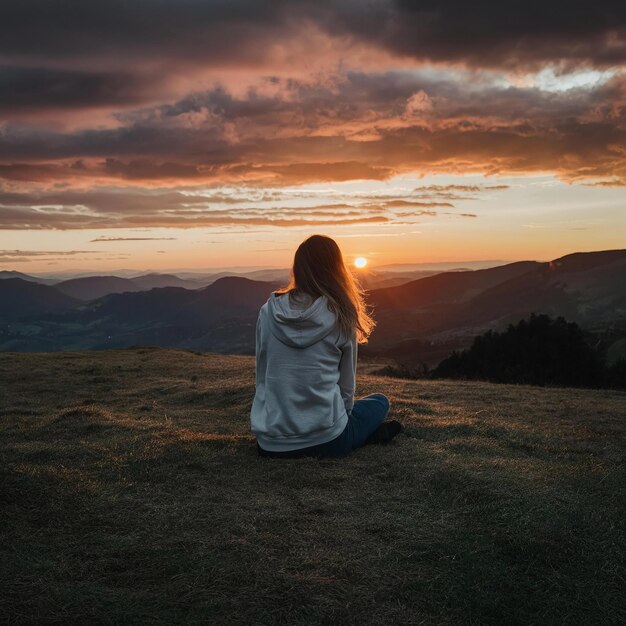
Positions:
{"x": 360, "y": 261}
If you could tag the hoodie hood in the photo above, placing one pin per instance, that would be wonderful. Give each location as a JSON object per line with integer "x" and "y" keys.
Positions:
{"x": 303, "y": 326}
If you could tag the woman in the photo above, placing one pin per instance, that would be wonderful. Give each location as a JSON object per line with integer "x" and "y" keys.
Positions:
{"x": 306, "y": 352}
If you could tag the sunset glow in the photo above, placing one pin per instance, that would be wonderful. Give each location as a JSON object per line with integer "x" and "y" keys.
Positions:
{"x": 216, "y": 135}
{"x": 360, "y": 262}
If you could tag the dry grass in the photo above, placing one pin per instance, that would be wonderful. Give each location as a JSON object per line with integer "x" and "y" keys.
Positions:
{"x": 131, "y": 492}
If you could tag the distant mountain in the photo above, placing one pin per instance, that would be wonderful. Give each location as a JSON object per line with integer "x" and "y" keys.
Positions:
{"x": 21, "y": 298}
{"x": 173, "y": 304}
{"x": 4, "y": 274}
{"x": 139, "y": 306}
{"x": 588, "y": 288}
{"x": 271, "y": 275}
{"x": 234, "y": 292}
{"x": 375, "y": 279}
{"x": 447, "y": 287}
{"x": 220, "y": 317}
{"x": 415, "y": 309}
{"x": 154, "y": 280}
{"x": 442, "y": 266}
{"x": 423, "y": 318}
{"x": 92, "y": 287}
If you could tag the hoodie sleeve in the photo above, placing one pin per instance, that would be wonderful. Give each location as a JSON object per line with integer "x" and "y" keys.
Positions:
{"x": 347, "y": 371}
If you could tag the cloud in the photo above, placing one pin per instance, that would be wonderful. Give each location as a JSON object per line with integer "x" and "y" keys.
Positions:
{"x": 463, "y": 188}
{"x": 35, "y": 88}
{"x": 607, "y": 183}
{"x": 413, "y": 203}
{"x": 316, "y": 132}
{"x": 182, "y": 94}
{"x": 119, "y": 207}
{"x": 24, "y": 256}
{"x": 100, "y": 239}
{"x": 138, "y": 208}
{"x": 253, "y": 32}
{"x": 484, "y": 33}
{"x": 34, "y": 253}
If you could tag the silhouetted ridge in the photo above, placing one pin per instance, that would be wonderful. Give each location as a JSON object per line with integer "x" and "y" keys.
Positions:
{"x": 20, "y": 298}
{"x": 234, "y": 291}
{"x": 93, "y": 287}
{"x": 154, "y": 280}
{"x": 446, "y": 287}
{"x": 6, "y": 274}
{"x": 583, "y": 261}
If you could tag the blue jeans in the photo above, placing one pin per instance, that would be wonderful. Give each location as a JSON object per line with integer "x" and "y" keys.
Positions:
{"x": 363, "y": 419}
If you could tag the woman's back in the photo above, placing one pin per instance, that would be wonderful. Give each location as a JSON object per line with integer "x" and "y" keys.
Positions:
{"x": 306, "y": 352}
{"x": 305, "y": 374}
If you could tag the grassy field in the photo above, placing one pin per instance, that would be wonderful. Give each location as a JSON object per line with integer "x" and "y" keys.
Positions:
{"x": 131, "y": 492}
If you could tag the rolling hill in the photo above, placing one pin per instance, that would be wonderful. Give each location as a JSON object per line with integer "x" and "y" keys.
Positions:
{"x": 21, "y": 298}
{"x": 93, "y": 287}
{"x": 589, "y": 288}
{"x": 4, "y": 274}
{"x": 449, "y": 287}
{"x": 154, "y": 280}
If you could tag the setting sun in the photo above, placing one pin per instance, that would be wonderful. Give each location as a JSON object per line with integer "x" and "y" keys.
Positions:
{"x": 360, "y": 261}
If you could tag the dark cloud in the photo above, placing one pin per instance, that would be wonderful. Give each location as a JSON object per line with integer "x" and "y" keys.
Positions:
{"x": 358, "y": 127}
{"x": 214, "y": 30}
{"x": 245, "y": 31}
{"x": 488, "y": 34}
{"x": 33, "y": 88}
{"x": 129, "y": 93}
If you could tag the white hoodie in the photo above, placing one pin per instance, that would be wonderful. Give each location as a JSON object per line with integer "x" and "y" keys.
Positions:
{"x": 305, "y": 374}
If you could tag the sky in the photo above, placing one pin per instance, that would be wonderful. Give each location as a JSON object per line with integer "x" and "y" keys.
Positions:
{"x": 180, "y": 134}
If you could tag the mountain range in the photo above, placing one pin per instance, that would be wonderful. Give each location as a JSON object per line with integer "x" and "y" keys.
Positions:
{"x": 424, "y": 317}
{"x": 90, "y": 287}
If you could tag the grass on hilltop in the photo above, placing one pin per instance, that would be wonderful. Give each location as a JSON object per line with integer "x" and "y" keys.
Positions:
{"x": 131, "y": 492}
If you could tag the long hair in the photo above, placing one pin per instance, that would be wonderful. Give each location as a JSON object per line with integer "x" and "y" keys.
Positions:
{"x": 319, "y": 270}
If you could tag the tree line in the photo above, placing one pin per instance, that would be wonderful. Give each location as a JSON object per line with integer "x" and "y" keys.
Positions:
{"x": 538, "y": 351}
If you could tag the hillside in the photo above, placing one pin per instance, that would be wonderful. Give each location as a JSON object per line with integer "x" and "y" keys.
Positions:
{"x": 220, "y": 317}
{"x": 589, "y": 288}
{"x": 4, "y": 274}
{"x": 422, "y": 321}
{"x": 153, "y": 280}
{"x": 92, "y": 287}
{"x": 131, "y": 492}
{"x": 21, "y": 298}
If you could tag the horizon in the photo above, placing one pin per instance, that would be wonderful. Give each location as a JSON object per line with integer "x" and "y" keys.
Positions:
{"x": 444, "y": 266}
{"x": 223, "y": 134}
